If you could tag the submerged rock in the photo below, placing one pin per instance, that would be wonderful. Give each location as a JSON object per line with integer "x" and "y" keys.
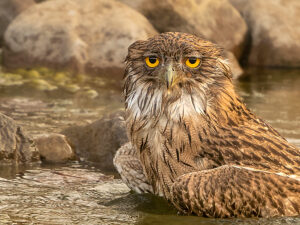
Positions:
{"x": 9, "y": 9}
{"x": 99, "y": 141}
{"x": 75, "y": 34}
{"x": 275, "y": 31}
{"x": 15, "y": 145}
{"x": 54, "y": 148}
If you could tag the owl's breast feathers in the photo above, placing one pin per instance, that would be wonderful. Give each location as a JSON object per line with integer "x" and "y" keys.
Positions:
{"x": 182, "y": 139}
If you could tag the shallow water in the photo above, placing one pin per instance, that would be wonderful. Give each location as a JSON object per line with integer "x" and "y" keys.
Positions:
{"x": 78, "y": 193}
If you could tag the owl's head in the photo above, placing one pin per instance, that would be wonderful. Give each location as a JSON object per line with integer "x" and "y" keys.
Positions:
{"x": 172, "y": 66}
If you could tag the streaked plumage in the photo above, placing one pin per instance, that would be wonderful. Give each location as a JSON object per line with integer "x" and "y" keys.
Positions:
{"x": 197, "y": 143}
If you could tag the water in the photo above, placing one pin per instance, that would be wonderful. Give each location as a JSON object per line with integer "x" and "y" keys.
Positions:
{"x": 77, "y": 193}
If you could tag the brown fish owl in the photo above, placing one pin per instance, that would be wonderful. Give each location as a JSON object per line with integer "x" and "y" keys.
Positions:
{"x": 194, "y": 142}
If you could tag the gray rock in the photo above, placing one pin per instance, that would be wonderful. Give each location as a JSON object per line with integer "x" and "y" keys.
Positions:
{"x": 275, "y": 31}
{"x": 99, "y": 141}
{"x": 82, "y": 35}
{"x": 9, "y": 9}
{"x": 15, "y": 145}
{"x": 54, "y": 148}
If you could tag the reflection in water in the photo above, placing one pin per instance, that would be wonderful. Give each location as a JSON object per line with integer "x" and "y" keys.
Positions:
{"x": 271, "y": 94}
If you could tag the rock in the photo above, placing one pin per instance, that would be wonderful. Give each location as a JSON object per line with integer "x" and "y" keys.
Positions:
{"x": 275, "y": 31}
{"x": 240, "y": 5}
{"x": 9, "y": 9}
{"x": 0, "y": 57}
{"x": 216, "y": 20}
{"x": 99, "y": 141}
{"x": 82, "y": 35}
{"x": 54, "y": 148}
{"x": 39, "y": 1}
{"x": 15, "y": 145}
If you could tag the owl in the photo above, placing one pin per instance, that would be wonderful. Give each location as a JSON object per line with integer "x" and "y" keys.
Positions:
{"x": 194, "y": 142}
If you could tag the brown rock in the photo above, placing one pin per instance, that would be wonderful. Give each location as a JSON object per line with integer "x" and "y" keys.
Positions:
{"x": 275, "y": 31}
{"x": 216, "y": 20}
{"x": 99, "y": 141}
{"x": 54, "y": 148}
{"x": 76, "y": 34}
{"x": 9, "y": 9}
{"x": 15, "y": 145}
{"x": 240, "y": 5}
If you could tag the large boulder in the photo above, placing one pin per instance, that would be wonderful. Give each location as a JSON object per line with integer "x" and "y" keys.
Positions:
{"x": 9, "y": 9}
{"x": 215, "y": 20}
{"x": 275, "y": 31}
{"x": 99, "y": 141}
{"x": 76, "y": 34}
{"x": 15, "y": 145}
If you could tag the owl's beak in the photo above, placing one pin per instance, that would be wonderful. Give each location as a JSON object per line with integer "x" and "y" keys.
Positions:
{"x": 170, "y": 75}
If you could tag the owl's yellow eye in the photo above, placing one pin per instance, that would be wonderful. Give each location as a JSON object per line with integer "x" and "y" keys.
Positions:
{"x": 192, "y": 62}
{"x": 152, "y": 61}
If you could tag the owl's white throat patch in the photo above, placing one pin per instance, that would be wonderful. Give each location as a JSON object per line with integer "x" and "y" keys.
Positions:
{"x": 141, "y": 104}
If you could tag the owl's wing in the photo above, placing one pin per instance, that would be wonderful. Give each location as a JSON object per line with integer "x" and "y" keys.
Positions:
{"x": 229, "y": 191}
{"x": 131, "y": 170}
{"x": 255, "y": 145}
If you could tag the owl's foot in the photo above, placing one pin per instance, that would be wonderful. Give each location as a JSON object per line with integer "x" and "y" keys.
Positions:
{"x": 130, "y": 169}
{"x": 230, "y": 191}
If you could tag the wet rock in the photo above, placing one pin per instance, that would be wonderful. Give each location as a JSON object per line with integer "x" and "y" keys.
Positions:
{"x": 54, "y": 148}
{"x": 98, "y": 141}
{"x": 275, "y": 31}
{"x": 82, "y": 35}
{"x": 15, "y": 145}
{"x": 217, "y": 21}
{"x": 9, "y": 9}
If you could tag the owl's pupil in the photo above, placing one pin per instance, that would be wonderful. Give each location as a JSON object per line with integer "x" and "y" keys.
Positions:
{"x": 192, "y": 60}
{"x": 152, "y": 59}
